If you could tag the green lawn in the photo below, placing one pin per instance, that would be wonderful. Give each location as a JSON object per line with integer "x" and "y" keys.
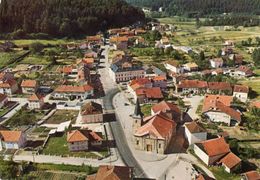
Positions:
{"x": 24, "y": 117}
{"x": 45, "y": 42}
{"x": 59, "y": 146}
{"x": 3, "y": 111}
{"x": 221, "y": 174}
{"x": 63, "y": 167}
{"x": 254, "y": 84}
{"x": 5, "y": 57}
{"x": 146, "y": 109}
{"x": 63, "y": 115}
{"x": 34, "y": 59}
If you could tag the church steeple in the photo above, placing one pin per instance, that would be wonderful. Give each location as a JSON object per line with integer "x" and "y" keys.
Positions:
{"x": 138, "y": 111}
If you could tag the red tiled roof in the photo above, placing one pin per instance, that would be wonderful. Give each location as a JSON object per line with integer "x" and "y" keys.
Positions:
{"x": 10, "y": 136}
{"x": 241, "y": 88}
{"x": 220, "y": 86}
{"x": 80, "y": 89}
{"x": 220, "y": 103}
{"x": 210, "y": 101}
{"x": 82, "y": 135}
{"x": 245, "y": 69}
{"x": 66, "y": 69}
{"x": 94, "y": 38}
{"x": 229, "y": 111}
{"x": 34, "y": 97}
{"x": 159, "y": 78}
{"x": 230, "y": 160}
{"x": 157, "y": 126}
{"x": 193, "y": 127}
{"x": 154, "y": 92}
{"x": 107, "y": 172}
{"x": 29, "y": 83}
{"x": 88, "y": 60}
{"x": 192, "y": 84}
{"x": 165, "y": 107}
{"x": 203, "y": 177}
{"x": 76, "y": 136}
{"x": 252, "y": 175}
{"x": 119, "y": 39}
{"x": 214, "y": 147}
{"x": 8, "y": 83}
{"x": 140, "y": 81}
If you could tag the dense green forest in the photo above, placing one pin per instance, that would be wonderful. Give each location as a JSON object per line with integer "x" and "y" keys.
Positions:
{"x": 65, "y": 17}
{"x": 202, "y": 7}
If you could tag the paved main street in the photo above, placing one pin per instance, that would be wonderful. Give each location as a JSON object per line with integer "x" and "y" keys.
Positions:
{"x": 157, "y": 166}
{"x": 111, "y": 90}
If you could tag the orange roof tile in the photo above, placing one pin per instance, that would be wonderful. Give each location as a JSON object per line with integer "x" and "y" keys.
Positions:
{"x": 214, "y": 147}
{"x": 210, "y": 101}
{"x": 154, "y": 92}
{"x": 79, "y": 89}
{"x": 241, "y": 88}
{"x": 11, "y": 136}
{"x": 76, "y": 136}
{"x": 66, "y": 69}
{"x": 8, "y": 83}
{"x": 157, "y": 126}
{"x": 88, "y": 60}
{"x": 220, "y": 86}
{"x": 220, "y": 103}
{"x": 230, "y": 160}
{"x": 252, "y": 175}
{"x": 119, "y": 39}
{"x": 29, "y": 83}
{"x": 159, "y": 78}
{"x": 140, "y": 81}
{"x": 192, "y": 84}
{"x": 193, "y": 127}
{"x": 83, "y": 135}
{"x": 166, "y": 107}
{"x": 34, "y": 97}
{"x": 107, "y": 172}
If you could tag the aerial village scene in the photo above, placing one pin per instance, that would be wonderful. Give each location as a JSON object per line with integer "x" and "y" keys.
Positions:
{"x": 165, "y": 98}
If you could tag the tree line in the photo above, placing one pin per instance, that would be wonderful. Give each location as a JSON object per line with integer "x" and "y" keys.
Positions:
{"x": 66, "y": 17}
{"x": 202, "y": 8}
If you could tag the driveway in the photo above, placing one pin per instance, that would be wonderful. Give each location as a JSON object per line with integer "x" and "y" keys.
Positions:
{"x": 194, "y": 102}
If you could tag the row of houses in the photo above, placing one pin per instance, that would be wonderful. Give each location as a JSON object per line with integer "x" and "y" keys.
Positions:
{"x": 201, "y": 87}
{"x": 174, "y": 66}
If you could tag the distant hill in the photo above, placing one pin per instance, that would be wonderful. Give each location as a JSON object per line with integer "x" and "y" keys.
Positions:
{"x": 202, "y": 7}
{"x": 66, "y": 17}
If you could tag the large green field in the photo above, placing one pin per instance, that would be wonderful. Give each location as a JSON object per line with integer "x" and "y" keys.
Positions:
{"x": 208, "y": 38}
{"x": 23, "y": 42}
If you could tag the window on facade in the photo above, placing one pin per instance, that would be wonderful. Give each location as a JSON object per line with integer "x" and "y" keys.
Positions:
{"x": 137, "y": 142}
{"x": 159, "y": 145}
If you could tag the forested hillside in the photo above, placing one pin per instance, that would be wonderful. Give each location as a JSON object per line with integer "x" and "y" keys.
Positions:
{"x": 202, "y": 7}
{"x": 65, "y": 17}
{"x": 212, "y": 7}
